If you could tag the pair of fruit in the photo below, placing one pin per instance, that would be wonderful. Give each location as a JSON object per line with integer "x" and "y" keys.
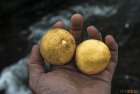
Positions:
{"x": 58, "y": 47}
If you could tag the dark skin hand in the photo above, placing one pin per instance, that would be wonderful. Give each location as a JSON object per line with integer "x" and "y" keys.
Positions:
{"x": 67, "y": 79}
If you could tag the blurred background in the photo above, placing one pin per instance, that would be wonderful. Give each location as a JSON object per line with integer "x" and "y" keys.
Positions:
{"x": 22, "y": 23}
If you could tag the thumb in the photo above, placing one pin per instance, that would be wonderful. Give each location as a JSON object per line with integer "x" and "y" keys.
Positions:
{"x": 35, "y": 63}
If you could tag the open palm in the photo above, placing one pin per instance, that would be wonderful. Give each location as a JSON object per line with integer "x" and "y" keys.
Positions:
{"x": 67, "y": 79}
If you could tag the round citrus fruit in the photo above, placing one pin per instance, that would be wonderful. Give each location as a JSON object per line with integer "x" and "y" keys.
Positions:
{"x": 57, "y": 46}
{"x": 92, "y": 56}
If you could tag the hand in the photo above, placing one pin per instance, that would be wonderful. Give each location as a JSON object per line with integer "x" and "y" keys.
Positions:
{"x": 67, "y": 79}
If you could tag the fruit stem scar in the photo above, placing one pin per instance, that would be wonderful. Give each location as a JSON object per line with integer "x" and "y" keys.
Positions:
{"x": 64, "y": 42}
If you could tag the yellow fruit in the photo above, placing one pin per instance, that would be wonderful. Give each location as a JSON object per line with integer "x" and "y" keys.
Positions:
{"x": 92, "y": 56}
{"x": 57, "y": 46}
